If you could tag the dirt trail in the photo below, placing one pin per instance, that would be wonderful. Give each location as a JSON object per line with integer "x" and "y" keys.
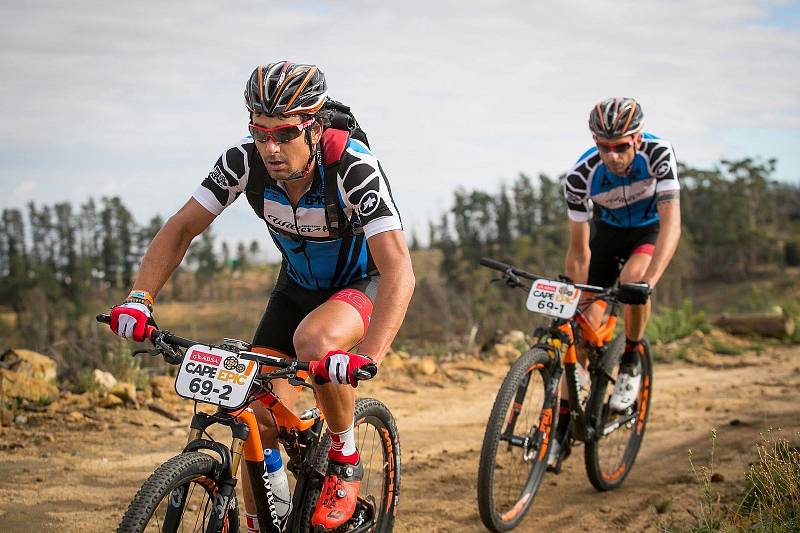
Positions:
{"x": 79, "y": 476}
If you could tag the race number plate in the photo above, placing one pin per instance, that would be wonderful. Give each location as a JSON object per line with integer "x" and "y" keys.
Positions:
{"x": 553, "y": 298}
{"x": 215, "y": 376}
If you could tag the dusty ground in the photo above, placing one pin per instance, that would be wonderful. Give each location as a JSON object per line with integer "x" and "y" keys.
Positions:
{"x": 62, "y": 476}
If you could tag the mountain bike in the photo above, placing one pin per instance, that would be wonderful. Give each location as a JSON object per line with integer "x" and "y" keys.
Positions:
{"x": 522, "y": 424}
{"x": 195, "y": 490}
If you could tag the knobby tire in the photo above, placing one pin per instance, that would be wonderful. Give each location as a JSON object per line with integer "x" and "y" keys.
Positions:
{"x": 503, "y": 513}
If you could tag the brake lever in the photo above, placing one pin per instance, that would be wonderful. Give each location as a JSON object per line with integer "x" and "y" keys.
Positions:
{"x": 509, "y": 279}
{"x": 172, "y": 356}
{"x": 297, "y": 382}
{"x": 288, "y": 372}
{"x": 153, "y": 352}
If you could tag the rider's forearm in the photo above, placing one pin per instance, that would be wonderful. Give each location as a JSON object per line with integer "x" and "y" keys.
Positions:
{"x": 576, "y": 265}
{"x": 669, "y": 236}
{"x": 394, "y": 293}
{"x": 163, "y": 256}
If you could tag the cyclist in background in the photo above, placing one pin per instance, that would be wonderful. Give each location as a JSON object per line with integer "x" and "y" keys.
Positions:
{"x": 628, "y": 183}
{"x": 346, "y": 277}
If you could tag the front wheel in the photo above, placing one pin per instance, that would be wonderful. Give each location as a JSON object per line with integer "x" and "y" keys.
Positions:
{"x": 378, "y": 443}
{"x": 181, "y": 495}
{"x": 610, "y": 455}
{"x": 515, "y": 446}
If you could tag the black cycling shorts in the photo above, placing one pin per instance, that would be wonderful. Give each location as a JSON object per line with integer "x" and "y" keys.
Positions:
{"x": 290, "y": 303}
{"x": 611, "y": 247}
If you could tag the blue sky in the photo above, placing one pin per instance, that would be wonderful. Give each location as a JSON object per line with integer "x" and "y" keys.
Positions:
{"x": 139, "y": 99}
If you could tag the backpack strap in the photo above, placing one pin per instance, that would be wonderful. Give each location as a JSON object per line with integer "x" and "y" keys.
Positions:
{"x": 334, "y": 142}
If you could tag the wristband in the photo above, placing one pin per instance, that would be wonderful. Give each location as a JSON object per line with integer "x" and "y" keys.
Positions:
{"x": 145, "y": 303}
{"x": 142, "y": 295}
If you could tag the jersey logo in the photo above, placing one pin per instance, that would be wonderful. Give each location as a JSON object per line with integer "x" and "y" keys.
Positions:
{"x": 662, "y": 169}
{"x": 369, "y": 203}
{"x": 573, "y": 198}
{"x": 606, "y": 182}
{"x": 218, "y": 177}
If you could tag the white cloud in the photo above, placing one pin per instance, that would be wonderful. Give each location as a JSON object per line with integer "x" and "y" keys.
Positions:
{"x": 139, "y": 99}
{"x": 23, "y": 192}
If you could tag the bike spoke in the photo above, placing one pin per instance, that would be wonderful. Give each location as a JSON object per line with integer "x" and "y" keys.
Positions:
{"x": 200, "y": 510}
{"x": 613, "y": 443}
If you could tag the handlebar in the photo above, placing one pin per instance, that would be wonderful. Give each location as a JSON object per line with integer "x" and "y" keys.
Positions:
{"x": 158, "y": 337}
{"x": 505, "y": 267}
{"x": 510, "y": 270}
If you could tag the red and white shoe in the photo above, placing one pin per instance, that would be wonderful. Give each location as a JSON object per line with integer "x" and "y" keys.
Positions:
{"x": 339, "y": 495}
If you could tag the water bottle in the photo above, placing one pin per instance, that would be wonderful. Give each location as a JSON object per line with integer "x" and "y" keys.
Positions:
{"x": 276, "y": 473}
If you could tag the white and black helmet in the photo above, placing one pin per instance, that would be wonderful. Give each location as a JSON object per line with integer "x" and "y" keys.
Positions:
{"x": 286, "y": 89}
{"x": 616, "y": 117}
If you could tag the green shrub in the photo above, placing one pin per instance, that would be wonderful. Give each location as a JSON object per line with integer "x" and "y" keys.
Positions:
{"x": 723, "y": 348}
{"x": 671, "y": 324}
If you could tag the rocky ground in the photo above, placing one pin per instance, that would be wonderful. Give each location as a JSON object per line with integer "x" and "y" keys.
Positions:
{"x": 73, "y": 465}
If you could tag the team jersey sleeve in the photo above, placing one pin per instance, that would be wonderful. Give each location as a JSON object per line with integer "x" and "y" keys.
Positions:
{"x": 226, "y": 180}
{"x": 365, "y": 190}
{"x": 576, "y": 191}
{"x": 664, "y": 167}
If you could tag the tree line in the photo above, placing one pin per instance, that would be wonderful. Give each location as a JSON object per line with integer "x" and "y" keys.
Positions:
{"x": 57, "y": 262}
{"x": 736, "y": 219}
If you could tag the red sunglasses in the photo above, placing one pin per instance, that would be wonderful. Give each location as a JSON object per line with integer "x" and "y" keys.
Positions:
{"x": 618, "y": 148}
{"x": 279, "y": 135}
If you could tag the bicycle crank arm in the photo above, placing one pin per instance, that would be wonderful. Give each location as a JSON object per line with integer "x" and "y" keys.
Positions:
{"x": 514, "y": 440}
{"x": 621, "y": 422}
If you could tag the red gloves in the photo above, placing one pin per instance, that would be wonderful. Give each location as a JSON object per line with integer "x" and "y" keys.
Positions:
{"x": 129, "y": 320}
{"x": 342, "y": 367}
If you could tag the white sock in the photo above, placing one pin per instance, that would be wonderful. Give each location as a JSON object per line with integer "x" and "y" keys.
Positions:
{"x": 343, "y": 444}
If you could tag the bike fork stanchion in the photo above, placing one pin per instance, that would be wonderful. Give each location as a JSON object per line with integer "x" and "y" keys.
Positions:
{"x": 547, "y": 420}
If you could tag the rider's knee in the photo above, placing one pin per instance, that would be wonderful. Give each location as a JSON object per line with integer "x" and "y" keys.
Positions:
{"x": 312, "y": 347}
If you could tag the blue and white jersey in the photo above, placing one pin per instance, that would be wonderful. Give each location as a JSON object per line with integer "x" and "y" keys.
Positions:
{"x": 622, "y": 201}
{"x": 312, "y": 256}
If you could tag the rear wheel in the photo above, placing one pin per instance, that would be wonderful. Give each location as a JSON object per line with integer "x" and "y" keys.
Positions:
{"x": 378, "y": 443}
{"x": 514, "y": 453}
{"x": 181, "y": 495}
{"x": 609, "y": 457}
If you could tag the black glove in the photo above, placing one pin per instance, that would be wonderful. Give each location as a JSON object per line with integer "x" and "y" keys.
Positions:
{"x": 634, "y": 293}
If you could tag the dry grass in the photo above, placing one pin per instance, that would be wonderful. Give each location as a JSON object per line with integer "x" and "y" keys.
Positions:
{"x": 771, "y": 499}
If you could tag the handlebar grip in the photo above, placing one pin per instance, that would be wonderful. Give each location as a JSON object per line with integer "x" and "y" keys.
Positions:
{"x": 496, "y": 265}
{"x": 104, "y": 319}
{"x": 366, "y": 372}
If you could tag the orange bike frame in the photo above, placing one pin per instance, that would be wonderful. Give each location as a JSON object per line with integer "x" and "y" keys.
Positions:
{"x": 285, "y": 419}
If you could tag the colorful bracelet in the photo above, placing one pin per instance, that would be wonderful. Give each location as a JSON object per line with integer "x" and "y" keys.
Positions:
{"x": 143, "y": 295}
{"x": 145, "y": 303}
